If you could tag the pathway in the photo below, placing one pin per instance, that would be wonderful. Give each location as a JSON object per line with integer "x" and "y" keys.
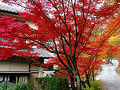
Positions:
{"x": 110, "y": 77}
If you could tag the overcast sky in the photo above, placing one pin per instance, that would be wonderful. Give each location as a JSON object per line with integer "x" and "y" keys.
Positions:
{"x": 11, "y": 8}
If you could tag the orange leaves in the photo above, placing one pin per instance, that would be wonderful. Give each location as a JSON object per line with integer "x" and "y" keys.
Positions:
{"x": 112, "y": 1}
{"x": 113, "y": 25}
{"x": 107, "y": 10}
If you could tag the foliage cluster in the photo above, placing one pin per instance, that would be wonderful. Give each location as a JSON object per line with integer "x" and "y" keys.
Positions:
{"x": 23, "y": 86}
{"x": 52, "y": 83}
{"x": 11, "y": 86}
{"x": 118, "y": 70}
{"x": 95, "y": 85}
{"x": 6, "y": 86}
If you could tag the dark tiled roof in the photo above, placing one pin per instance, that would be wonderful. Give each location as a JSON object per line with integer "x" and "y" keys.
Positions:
{"x": 10, "y": 9}
{"x": 43, "y": 53}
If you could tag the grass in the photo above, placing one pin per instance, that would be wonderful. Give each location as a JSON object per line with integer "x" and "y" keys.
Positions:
{"x": 118, "y": 70}
{"x": 95, "y": 85}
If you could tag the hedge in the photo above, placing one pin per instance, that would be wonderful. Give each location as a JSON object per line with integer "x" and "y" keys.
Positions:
{"x": 52, "y": 83}
{"x": 6, "y": 85}
{"x": 23, "y": 86}
{"x": 11, "y": 86}
{"x": 95, "y": 85}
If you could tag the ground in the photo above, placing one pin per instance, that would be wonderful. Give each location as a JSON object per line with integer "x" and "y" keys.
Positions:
{"x": 109, "y": 76}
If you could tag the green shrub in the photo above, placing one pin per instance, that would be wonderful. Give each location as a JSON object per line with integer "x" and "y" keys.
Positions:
{"x": 118, "y": 70}
{"x": 6, "y": 85}
{"x": 11, "y": 86}
{"x": 52, "y": 83}
{"x": 23, "y": 86}
{"x": 95, "y": 85}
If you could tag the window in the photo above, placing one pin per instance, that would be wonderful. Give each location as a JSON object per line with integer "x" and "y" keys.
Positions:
{"x": 14, "y": 78}
{"x": 4, "y": 78}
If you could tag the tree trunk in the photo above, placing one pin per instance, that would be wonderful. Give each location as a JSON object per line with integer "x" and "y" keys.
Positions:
{"x": 108, "y": 60}
{"x": 93, "y": 77}
{"x": 88, "y": 83}
{"x": 87, "y": 79}
{"x": 83, "y": 83}
{"x": 72, "y": 83}
{"x": 78, "y": 83}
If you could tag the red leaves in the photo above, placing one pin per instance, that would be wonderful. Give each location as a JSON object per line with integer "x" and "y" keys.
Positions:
{"x": 6, "y": 52}
{"x": 74, "y": 28}
{"x": 107, "y": 10}
{"x": 14, "y": 36}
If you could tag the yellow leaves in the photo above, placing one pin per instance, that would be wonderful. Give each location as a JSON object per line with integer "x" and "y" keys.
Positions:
{"x": 115, "y": 40}
{"x": 112, "y": 1}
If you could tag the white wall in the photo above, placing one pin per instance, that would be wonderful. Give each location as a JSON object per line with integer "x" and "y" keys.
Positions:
{"x": 13, "y": 66}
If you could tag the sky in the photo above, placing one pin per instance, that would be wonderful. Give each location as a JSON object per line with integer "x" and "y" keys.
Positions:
{"x": 13, "y": 8}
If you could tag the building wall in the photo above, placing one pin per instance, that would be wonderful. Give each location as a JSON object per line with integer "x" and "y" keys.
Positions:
{"x": 21, "y": 67}
{"x": 13, "y": 66}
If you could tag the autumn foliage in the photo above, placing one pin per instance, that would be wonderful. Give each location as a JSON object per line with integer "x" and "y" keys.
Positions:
{"x": 76, "y": 29}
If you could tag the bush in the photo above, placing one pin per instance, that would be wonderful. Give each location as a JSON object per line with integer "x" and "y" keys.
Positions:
{"x": 6, "y": 85}
{"x": 11, "y": 86}
{"x": 23, "y": 86}
{"x": 95, "y": 85}
{"x": 52, "y": 83}
{"x": 118, "y": 70}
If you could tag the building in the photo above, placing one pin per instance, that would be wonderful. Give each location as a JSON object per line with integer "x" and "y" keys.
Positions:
{"x": 18, "y": 69}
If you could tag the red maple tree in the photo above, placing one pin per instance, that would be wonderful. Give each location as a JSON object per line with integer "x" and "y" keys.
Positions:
{"x": 73, "y": 28}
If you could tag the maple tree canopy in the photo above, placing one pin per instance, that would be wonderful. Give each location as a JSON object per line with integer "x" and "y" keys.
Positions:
{"x": 74, "y": 27}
